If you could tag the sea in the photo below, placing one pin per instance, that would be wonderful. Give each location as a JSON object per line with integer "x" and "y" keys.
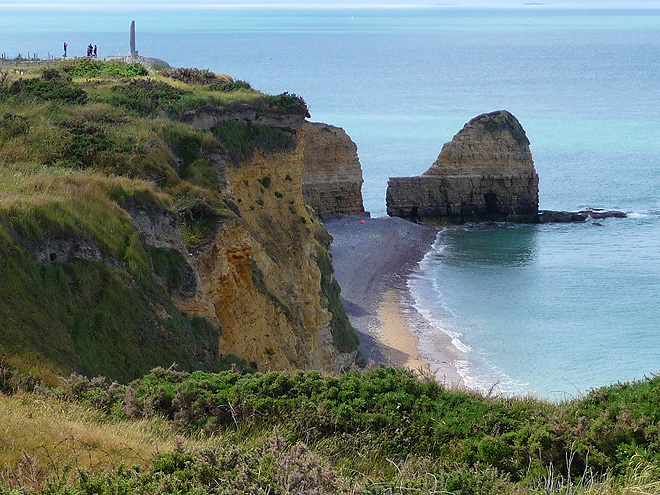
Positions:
{"x": 547, "y": 310}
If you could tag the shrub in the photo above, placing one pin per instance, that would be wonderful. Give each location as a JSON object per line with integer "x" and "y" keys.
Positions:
{"x": 87, "y": 67}
{"x": 12, "y": 126}
{"x": 287, "y": 103}
{"x": 196, "y": 76}
{"x": 228, "y": 87}
{"x": 51, "y": 86}
{"x": 145, "y": 96}
{"x": 241, "y": 140}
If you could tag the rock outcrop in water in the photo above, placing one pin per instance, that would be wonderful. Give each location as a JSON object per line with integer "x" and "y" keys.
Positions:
{"x": 485, "y": 172}
{"x": 332, "y": 183}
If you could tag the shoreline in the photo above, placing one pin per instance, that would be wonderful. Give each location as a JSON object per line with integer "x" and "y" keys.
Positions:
{"x": 372, "y": 264}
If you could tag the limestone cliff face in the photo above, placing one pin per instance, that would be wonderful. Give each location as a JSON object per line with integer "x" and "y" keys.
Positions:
{"x": 485, "y": 173}
{"x": 332, "y": 183}
{"x": 261, "y": 271}
{"x": 266, "y": 274}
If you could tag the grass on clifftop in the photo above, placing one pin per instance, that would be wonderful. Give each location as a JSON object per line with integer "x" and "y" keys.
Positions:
{"x": 166, "y": 92}
{"x": 381, "y": 432}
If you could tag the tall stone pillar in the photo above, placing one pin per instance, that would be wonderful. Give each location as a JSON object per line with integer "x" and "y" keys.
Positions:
{"x": 133, "y": 50}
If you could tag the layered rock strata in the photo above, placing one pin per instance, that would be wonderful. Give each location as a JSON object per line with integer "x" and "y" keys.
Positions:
{"x": 208, "y": 116}
{"x": 486, "y": 172}
{"x": 261, "y": 271}
{"x": 264, "y": 269}
{"x": 332, "y": 183}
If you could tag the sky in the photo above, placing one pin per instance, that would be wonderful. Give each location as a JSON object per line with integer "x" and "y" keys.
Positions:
{"x": 175, "y": 4}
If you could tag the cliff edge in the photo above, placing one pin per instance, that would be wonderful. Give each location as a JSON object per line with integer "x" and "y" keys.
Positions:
{"x": 332, "y": 183}
{"x": 486, "y": 172}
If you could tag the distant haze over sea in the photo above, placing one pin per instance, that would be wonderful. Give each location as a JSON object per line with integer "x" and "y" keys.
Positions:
{"x": 324, "y": 4}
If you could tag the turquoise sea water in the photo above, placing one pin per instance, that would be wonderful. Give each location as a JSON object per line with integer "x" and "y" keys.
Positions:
{"x": 547, "y": 309}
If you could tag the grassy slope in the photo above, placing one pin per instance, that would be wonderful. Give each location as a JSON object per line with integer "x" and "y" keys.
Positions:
{"x": 62, "y": 144}
{"x": 381, "y": 432}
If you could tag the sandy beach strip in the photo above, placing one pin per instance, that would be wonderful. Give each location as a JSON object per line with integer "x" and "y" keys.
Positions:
{"x": 372, "y": 263}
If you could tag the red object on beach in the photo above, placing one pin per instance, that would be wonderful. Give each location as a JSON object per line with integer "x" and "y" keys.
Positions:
{"x": 362, "y": 222}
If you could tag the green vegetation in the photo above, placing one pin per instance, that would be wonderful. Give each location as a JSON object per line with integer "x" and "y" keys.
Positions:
{"x": 241, "y": 140}
{"x": 169, "y": 265}
{"x": 265, "y": 182}
{"x": 343, "y": 334}
{"x": 197, "y": 76}
{"x": 146, "y": 96}
{"x": 88, "y": 67}
{"x": 260, "y": 283}
{"x": 287, "y": 103}
{"x": 52, "y": 85}
{"x": 381, "y": 432}
{"x": 228, "y": 87}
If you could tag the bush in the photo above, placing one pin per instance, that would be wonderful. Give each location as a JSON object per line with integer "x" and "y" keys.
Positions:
{"x": 287, "y": 103}
{"x": 241, "y": 140}
{"x": 87, "y": 67}
{"x": 145, "y": 96}
{"x": 195, "y": 76}
{"x": 12, "y": 126}
{"x": 228, "y": 87}
{"x": 51, "y": 86}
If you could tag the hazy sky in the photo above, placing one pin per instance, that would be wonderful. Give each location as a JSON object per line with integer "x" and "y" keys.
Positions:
{"x": 174, "y": 4}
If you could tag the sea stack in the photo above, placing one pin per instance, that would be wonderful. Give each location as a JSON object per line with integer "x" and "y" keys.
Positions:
{"x": 485, "y": 173}
{"x": 332, "y": 183}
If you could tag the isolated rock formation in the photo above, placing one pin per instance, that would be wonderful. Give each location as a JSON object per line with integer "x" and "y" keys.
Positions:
{"x": 332, "y": 183}
{"x": 485, "y": 172}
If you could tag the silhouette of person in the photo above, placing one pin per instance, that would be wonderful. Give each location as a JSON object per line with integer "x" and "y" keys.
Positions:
{"x": 89, "y": 50}
{"x": 65, "y": 47}
{"x": 95, "y": 51}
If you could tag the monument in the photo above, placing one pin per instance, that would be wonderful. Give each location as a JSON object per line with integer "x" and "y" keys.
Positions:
{"x": 134, "y": 52}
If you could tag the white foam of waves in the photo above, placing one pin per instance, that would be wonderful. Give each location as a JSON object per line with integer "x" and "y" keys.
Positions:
{"x": 489, "y": 380}
{"x": 427, "y": 302}
{"x": 643, "y": 215}
{"x": 460, "y": 345}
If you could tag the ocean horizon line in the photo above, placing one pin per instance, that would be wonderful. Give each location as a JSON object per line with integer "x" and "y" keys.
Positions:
{"x": 527, "y": 6}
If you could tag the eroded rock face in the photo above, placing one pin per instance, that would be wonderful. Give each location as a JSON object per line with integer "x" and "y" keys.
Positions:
{"x": 208, "y": 116}
{"x": 485, "y": 173}
{"x": 261, "y": 271}
{"x": 62, "y": 248}
{"x": 332, "y": 182}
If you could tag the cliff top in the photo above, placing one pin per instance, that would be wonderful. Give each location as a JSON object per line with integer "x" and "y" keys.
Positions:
{"x": 490, "y": 144}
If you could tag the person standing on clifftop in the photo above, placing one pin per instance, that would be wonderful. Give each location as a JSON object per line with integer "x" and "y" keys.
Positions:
{"x": 95, "y": 51}
{"x": 65, "y": 47}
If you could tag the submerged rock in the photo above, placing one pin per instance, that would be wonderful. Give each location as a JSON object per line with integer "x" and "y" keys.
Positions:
{"x": 549, "y": 216}
{"x": 486, "y": 172}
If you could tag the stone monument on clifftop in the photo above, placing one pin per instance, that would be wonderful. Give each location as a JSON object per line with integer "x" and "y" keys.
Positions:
{"x": 134, "y": 52}
{"x": 485, "y": 172}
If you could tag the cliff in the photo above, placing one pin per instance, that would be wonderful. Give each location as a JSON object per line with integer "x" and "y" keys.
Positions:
{"x": 262, "y": 272}
{"x": 164, "y": 222}
{"x": 332, "y": 183}
{"x": 485, "y": 172}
